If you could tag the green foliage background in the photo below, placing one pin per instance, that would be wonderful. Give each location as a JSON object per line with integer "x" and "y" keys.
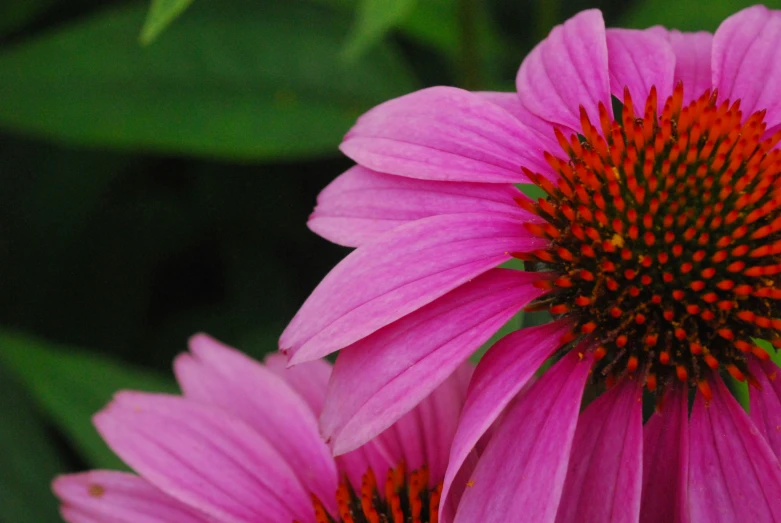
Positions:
{"x": 158, "y": 165}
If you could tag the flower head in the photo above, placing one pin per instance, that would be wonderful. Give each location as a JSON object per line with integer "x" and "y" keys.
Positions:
{"x": 241, "y": 445}
{"x": 657, "y": 249}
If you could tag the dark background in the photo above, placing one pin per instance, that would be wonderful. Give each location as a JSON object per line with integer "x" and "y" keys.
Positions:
{"x": 150, "y": 191}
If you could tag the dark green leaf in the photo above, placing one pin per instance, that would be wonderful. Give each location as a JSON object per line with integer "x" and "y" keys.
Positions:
{"x": 70, "y": 386}
{"x": 686, "y": 16}
{"x": 373, "y": 19}
{"x": 14, "y": 15}
{"x": 161, "y": 14}
{"x": 30, "y": 460}
{"x": 251, "y": 80}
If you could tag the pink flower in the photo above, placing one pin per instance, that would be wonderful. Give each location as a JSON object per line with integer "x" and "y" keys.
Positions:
{"x": 656, "y": 250}
{"x": 242, "y": 445}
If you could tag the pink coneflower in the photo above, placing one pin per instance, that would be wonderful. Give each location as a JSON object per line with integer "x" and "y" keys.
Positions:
{"x": 657, "y": 250}
{"x": 241, "y": 445}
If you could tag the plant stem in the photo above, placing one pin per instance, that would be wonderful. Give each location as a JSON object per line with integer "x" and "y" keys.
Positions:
{"x": 468, "y": 13}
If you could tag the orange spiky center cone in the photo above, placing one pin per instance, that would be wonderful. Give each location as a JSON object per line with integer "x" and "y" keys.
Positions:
{"x": 403, "y": 498}
{"x": 665, "y": 239}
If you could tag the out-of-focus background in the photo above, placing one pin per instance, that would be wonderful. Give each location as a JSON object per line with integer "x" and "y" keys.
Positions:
{"x": 158, "y": 163}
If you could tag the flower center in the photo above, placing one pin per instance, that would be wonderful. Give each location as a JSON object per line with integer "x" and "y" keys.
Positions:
{"x": 403, "y": 499}
{"x": 665, "y": 239}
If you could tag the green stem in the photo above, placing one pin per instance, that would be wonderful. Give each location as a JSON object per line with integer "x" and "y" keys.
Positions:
{"x": 468, "y": 13}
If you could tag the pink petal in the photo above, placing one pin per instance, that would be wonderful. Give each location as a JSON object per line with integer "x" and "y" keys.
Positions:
{"x": 501, "y": 374}
{"x": 747, "y": 61}
{"x": 217, "y": 375}
{"x": 397, "y": 274}
{"x": 606, "y": 469}
{"x": 309, "y": 379}
{"x": 118, "y": 497}
{"x": 733, "y": 473}
{"x": 203, "y": 457}
{"x": 444, "y": 133}
{"x": 361, "y": 204}
{"x": 765, "y": 405}
{"x": 520, "y": 476}
{"x": 692, "y": 61}
{"x": 665, "y": 461}
{"x": 566, "y": 70}
{"x": 438, "y": 417}
{"x": 511, "y": 102}
{"x": 639, "y": 60}
{"x": 408, "y": 359}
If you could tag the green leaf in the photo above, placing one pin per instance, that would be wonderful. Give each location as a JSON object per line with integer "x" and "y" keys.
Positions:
{"x": 161, "y": 14}
{"x": 248, "y": 80}
{"x": 14, "y": 15}
{"x": 30, "y": 460}
{"x": 686, "y": 16}
{"x": 373, "y": 19}
{"x": 70, "y": 386}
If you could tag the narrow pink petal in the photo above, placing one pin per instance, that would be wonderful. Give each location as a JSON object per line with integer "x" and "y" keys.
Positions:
{"x": 511, "y": 102}
{"x": 374, "y": 455}
{"x": 444, "y": 133}
{"x": 410, "y": 358}
{"x": 361, "y": 204}
{"x": 400, "y": 272}
{"x": 639, "y": 60}
{"x": 606, "y": 469}
{"x": 765, "y": 405}
{"x": 733, "y": 473}
{"x": 203, "y": 457}
{"x": 309, "y": 379}
{"x": 118, "y": 497}
{"x": 692, "y": 61}
{"x": 439, "y": 416}
{"x": 499, "y": 377}
{"x": 520, "y": 476}
{"x": 217, "y": 375}
{"x": 566, "y": 70}
{"x": 665, "y": 461}
{"x": 747, "y": 61}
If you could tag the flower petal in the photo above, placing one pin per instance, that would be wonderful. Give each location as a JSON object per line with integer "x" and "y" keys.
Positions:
{"x": 118, "y": 497}
{"x": 692, "y": 61}
{"x": 203, "y": 457}
{"x": 566, "y": 70}
{"x": 747, "y": 61}
{"x": 309, "y": 379}
{"x": 410, "y": 358}
{"x": 639, "y": 60}
{"x": 666, "y": 460}
{"x": 511, "y": 102}
{"x": 397, "y": 274}
{"x": 217, "y": 375}
{"x": 520, "y": 476}
{"x": 444, "y": 133}
{"x": 499, "y": 377}
{"x": 606, "y": 469}
{"x": 765, "y": 405}
{"x": 361, "y": 204}
{"x": 733, "y": 473}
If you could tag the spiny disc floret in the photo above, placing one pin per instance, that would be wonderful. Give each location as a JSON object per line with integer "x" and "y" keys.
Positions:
{"x": 402, "y": 499}
{"x": 665, "y": 238}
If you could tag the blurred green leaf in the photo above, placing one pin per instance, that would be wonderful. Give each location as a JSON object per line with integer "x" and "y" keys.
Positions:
{"x": 249, "y": 80}
{"x": 373, "y": 19}
{"x": 14, "y": 15}
{"x": 70, "y": 386}
{"x": 686, "y": 16}
{"x": 30, "y": 460}
{"x": 161, "y": 13}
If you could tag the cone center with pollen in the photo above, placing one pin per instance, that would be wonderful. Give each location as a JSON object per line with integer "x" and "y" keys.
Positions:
{"x": 665, "y": 239}
{"x": 402, "y": 498}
